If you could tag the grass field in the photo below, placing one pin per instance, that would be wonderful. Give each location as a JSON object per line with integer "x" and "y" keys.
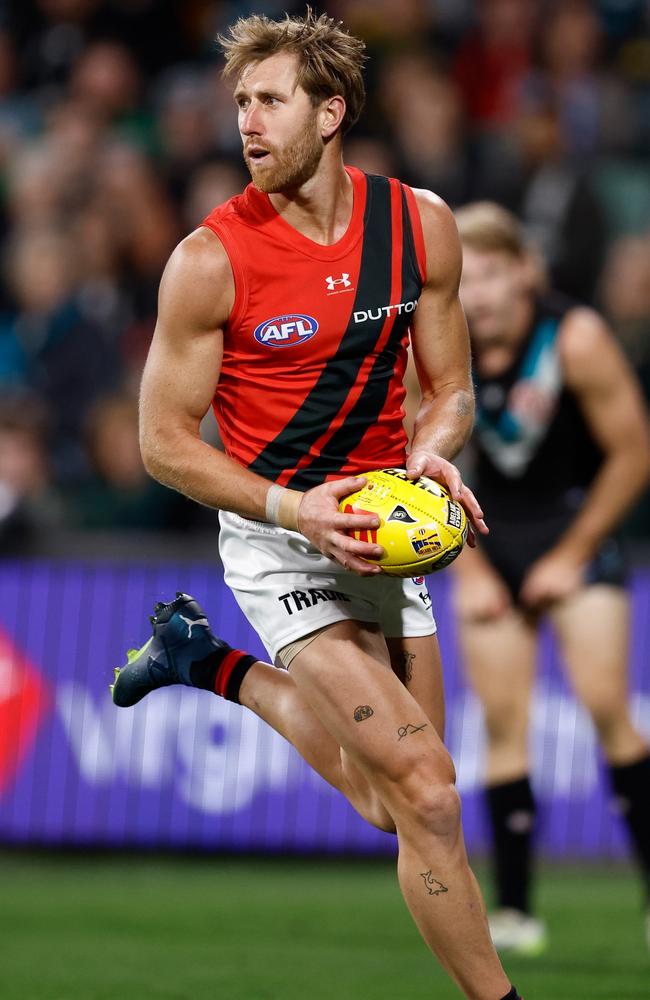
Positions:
{"x": 84, "y": 928}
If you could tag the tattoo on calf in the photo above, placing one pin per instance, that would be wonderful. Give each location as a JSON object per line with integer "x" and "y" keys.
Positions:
{"x": 362, "y": 712}
{"x": 434, "y": 887}
{"x": 408, "y": 729}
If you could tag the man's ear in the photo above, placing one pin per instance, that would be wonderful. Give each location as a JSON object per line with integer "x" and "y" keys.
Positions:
{"x": 331, "y": 116}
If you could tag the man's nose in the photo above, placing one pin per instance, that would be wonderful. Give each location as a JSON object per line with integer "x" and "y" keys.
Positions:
{"x": 250, "y": 123}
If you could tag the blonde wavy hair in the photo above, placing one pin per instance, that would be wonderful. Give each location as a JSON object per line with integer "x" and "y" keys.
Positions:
{"x": 330, "y": 59}
{"x": 486, "y": 226}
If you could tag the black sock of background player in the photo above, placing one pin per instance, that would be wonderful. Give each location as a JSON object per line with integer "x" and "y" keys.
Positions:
{"x": 512, "y": 995}
{"x": 222, "y": 671}
{"x": 631, "y": 784}
{"x": 512, "y": 812}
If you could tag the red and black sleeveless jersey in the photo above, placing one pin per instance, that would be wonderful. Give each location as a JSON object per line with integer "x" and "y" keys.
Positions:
{"x": 315, "y": 346}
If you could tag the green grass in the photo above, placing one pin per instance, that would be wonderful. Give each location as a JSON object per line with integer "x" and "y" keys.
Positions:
{"x": 83, "y": 928}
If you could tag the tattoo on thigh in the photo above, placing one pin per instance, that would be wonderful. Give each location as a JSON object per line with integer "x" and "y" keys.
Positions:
{"x": 362, "y": 712}
{"x": 408, "y": 730}
{"x": 403, "y": 666}
{"x": 434, "y": 887}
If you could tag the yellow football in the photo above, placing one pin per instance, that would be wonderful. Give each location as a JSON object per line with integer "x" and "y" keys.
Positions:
{"x": 421, "y": 528}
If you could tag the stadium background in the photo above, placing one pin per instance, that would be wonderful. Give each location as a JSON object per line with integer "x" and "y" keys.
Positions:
{"x": 116, "y": 138}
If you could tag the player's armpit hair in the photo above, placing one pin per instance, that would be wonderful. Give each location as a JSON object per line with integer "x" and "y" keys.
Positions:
{"x": 330, "y": 58}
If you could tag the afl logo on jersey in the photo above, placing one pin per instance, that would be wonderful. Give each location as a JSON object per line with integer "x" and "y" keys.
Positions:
{"x": 286, "y": 331}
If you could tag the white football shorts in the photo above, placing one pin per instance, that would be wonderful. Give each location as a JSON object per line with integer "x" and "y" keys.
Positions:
{"x": 288, "y": 589}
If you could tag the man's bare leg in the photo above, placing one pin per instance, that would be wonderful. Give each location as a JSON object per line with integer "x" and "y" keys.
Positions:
{"x": 272, "y": 694}
{"x": 397, "y": 748}
{"x": 416, "y": 661}
{"x": 593, "y": 629}
{"x": 499, "y": 659}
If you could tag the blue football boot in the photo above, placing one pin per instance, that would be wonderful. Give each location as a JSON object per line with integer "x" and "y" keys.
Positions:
{"x": 178, "y": 652}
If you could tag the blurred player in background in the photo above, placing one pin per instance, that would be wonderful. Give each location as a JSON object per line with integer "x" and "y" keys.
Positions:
{"x": 291, "y": 308}
{"x": 561, "y": 452}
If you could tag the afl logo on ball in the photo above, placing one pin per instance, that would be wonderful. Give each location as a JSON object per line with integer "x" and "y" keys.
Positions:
{"x": 286, "y": 331}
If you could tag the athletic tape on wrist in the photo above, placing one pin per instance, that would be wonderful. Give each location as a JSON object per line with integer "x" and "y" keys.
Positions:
{"x": 273, "y": 501}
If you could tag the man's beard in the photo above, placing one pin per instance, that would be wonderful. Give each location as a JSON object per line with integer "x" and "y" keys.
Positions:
{"x": 293, "y": 166}
{"x": 486, "y": 337}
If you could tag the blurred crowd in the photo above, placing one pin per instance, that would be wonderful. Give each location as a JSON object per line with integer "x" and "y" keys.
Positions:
{"x": 117, "y": 136}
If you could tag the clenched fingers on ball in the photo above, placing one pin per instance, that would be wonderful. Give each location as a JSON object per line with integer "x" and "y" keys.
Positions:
{"x": 354, "y": 555}
{"x": 421, "y": 463}
{"x": 357, "y": 522}
{"x": 473, "y": 508}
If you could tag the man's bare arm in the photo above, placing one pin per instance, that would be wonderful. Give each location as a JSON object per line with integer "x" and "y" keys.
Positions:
{"x": 608, "y": 394}
{"x": 180, "y": 377}
{"x": 441, "y": 353}
{"x": 610, "y": 399}
{"x": 182, "y": 371}
{"x": 440, "y": 339}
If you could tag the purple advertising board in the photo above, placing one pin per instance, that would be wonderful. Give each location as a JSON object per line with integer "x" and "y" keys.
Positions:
{"x": 184, "y": 769}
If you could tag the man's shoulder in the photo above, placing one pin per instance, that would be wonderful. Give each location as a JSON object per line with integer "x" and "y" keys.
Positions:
{"x": 440, "y": 235}
{"x": 235, "y": 209}
{"x": 581, "y": 331}
{"x": 433, "y": 208}
{"x": 200, "y": 250}
{"x": 198, "y": 266}
{"x": 585, "y": 342}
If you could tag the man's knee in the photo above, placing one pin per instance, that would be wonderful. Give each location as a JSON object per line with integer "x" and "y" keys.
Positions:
{"x": 505, "y": 721}
{"x": 608, "y": 715}
{"x": 424, "y": 793}
{"x": 378, "y": 816}
{"x": 437, "y": 807}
